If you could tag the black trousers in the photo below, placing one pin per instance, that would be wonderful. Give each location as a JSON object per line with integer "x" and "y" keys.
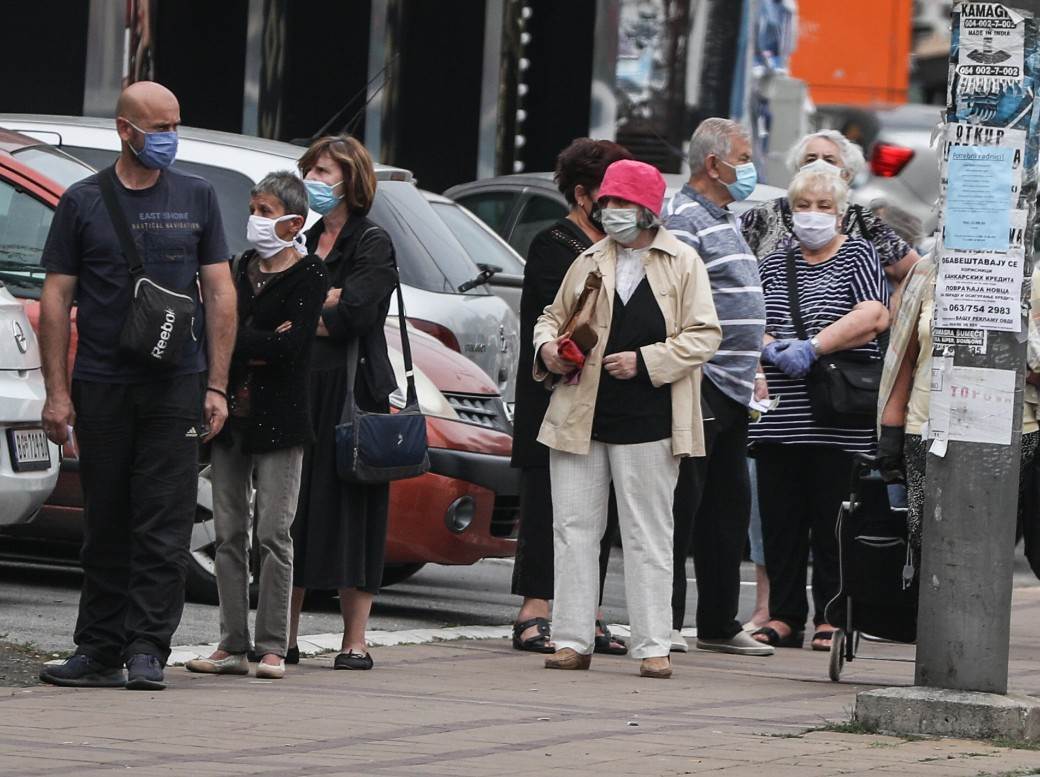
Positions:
{"x": 711, "y": 511}
{"x": 533, "y": 566}
{"x": 800, "y": 489}
{"x": 138, "y": 447}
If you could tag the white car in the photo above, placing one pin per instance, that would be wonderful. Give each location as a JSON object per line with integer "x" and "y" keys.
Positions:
{"x": 28, "y": 462}
{"x": 433, "y": 263}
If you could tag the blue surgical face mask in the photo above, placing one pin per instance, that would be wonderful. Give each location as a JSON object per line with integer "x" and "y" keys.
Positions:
{"x": 320, "y": 196}
{"x": 747, "y": 180}
{"x": 159, "y": 149}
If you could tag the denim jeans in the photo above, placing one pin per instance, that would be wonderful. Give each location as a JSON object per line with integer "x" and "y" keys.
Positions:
{"x": 277, "y": 491}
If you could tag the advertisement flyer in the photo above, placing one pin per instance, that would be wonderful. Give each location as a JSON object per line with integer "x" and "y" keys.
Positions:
{"x": 991, "y": 47}
{"x": 977, "y": 215}
{"x": 970, "y": 404}
{"x": 979, "y": 291}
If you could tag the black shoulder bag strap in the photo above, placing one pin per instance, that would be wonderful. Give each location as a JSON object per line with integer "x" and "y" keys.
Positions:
{"x": 411, "y": 399}
{"x": 792, "y": 296}
{"x": 107, "y": 182}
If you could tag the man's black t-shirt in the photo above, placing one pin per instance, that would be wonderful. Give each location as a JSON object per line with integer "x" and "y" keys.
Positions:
{"x": 177, "y": 227}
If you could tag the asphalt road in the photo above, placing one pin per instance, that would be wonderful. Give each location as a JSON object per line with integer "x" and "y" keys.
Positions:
{"x": 38, "y": 604}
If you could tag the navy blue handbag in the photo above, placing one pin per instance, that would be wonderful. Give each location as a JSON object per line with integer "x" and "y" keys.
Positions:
{"x": 381, "y": 447}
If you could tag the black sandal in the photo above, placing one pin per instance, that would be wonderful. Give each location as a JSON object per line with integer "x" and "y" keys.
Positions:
{"x": 772, "y": 637}
{"x": 537, "y": 644}
{"x": 605, "y": 642}
{"x": 821, "y": 635}
{"x": 353, "y": 660}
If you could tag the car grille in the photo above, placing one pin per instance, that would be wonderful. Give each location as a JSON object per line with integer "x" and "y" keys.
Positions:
{"x": 505, "y": 517}
{"x": 481, "y": 409}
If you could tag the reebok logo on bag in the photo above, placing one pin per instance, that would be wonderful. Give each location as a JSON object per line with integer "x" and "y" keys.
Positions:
{"x": 164, "y": 334}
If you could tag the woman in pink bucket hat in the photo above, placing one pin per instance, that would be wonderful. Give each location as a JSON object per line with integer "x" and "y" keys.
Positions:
{"x": 626, "y": 415}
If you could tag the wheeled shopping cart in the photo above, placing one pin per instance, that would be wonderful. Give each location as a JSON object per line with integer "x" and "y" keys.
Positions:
{"x": 878, "y": 579}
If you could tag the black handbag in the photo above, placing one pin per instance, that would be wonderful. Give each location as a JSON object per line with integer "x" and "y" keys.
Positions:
{"x": 843, "y": 386}
{"x": 159, "y": 321}
{"x": 382, "y": 447}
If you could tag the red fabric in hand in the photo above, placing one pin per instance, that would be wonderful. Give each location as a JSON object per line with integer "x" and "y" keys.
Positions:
{"x": 569, "y": 351}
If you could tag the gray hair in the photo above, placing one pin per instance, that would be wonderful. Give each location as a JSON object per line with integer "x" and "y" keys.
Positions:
{"x": 287, "y": 188}
{"x": 852, "y": 160}
{"x": 818, "y": 181}
{"x": 713, "y": 136}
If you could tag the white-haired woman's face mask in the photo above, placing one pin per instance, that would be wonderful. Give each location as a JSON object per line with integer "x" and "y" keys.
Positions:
{"x": 815, "y": 219}
{"x": 823, "y": 155}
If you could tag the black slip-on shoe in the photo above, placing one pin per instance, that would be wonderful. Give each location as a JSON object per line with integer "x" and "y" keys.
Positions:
{"x": 353, "y": 660}
{"x": 80, "y": 671}
{"x": 144, "y": 672}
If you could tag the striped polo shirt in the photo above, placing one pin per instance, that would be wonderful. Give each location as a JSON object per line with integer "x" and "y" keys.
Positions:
{"x": 735, "y": 286}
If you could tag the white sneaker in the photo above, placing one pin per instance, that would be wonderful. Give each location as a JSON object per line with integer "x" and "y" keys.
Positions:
{"x": 679, "y": 643}
{"x": 233, "y": 664}
{"x": 741, "y": 644}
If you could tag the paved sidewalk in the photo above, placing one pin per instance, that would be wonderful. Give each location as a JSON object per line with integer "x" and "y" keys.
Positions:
{"x": 479, "y": 708}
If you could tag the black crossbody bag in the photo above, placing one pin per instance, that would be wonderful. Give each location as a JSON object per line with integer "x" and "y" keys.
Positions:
{"x": 159, "y": 321}
{"x": 843, "y": 386}
{"x": 382, "y": 447}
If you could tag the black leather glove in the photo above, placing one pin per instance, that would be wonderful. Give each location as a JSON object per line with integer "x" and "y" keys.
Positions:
{"x": 890, "y": 454}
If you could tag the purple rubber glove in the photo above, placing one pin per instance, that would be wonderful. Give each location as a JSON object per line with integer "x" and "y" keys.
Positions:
{"x": 795, "y": 358}
{"x": 772, "y": 348}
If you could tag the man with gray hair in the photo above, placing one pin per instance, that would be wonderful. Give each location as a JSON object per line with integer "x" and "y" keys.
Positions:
{"x": 713, "y": 495}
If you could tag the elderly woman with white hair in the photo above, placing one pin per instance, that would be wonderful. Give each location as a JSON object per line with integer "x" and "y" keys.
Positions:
{"x": 768, "y": 227}
{"x": 833, "y": 284}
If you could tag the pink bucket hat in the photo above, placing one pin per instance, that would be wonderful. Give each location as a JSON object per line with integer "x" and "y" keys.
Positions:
{"x": 636, "y": 182}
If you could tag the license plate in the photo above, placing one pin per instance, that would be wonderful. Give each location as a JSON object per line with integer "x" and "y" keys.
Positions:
{"x": 29, "y": 449}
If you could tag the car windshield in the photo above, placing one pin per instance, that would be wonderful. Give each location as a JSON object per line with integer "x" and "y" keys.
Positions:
{"x": 482, "y": 245}
{"x": 428, "y": 254}
{"x": 54, "y": 164}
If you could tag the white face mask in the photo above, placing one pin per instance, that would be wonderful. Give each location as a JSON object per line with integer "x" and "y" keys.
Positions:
{"x": 260, "y": 232}
{"x": 814, "y": 229}
{"x": 622, "y": 224}
{"x": 822, "y": 166}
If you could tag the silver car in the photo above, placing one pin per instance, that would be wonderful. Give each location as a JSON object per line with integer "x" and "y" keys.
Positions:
{"x": 28, "y": 462}
{"x": 433, "y": 263}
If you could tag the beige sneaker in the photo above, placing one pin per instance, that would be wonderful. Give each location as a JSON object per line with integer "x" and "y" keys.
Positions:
{"x": 233, "y": 664}
{"x": 271, "y": 671}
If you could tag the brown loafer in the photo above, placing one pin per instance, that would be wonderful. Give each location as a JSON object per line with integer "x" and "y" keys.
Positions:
{"x": 568, "y": 658}
{"x": 658, "y": 667}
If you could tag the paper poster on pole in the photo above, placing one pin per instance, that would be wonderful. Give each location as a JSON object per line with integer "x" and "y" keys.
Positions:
{"x": 979, "y": 291}
{"x": 991, "y": 44}
{"x": 960, "y": 135}
{"x": 974, "y": 340}
{"x": 970, "y": 404}
{"x": 977, "y": 217}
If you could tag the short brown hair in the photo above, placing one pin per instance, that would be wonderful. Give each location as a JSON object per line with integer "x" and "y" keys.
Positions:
{"x": 583, "y": 162}
{"x": 359, "y": 175}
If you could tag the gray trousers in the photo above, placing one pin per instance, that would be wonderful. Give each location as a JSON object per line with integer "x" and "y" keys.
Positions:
{"x": 277, "y": 490}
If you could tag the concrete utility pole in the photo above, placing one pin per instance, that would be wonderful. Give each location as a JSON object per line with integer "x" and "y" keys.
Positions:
{"x": 972, "y": 496}
{"x": 984, "y": 263}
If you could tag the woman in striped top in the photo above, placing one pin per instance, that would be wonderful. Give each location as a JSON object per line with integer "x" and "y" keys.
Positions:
{"x": 803, "y": 465}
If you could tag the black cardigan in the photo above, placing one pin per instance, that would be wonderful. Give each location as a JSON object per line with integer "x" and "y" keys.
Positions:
{"x": 278, "y": 389}
{"x": 361, "y": 263}
{"x": 552, "y": 252}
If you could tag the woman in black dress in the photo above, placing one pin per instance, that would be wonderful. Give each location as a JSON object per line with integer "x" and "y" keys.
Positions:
{"x": 340, "y": 529}
{"x": 579, "y": 171}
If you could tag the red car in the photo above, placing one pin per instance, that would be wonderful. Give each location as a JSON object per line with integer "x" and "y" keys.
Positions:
{"x": 463, "y": 510}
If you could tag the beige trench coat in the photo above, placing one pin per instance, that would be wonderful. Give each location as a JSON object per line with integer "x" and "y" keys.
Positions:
{"x": 680, "y": 284}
